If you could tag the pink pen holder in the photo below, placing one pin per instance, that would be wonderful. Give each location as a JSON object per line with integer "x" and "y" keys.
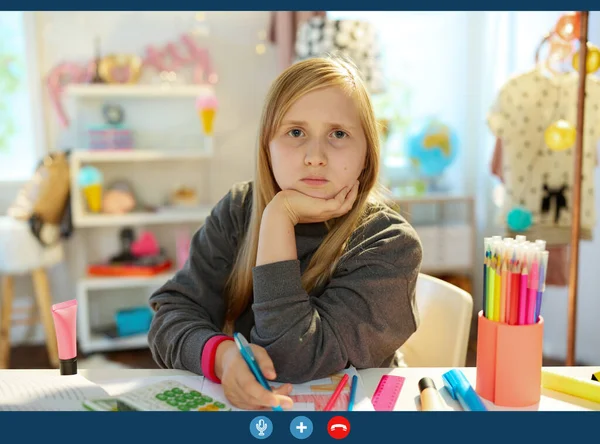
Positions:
{"x": 509, "y": 362}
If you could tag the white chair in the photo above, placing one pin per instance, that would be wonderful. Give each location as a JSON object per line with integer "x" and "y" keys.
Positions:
{"x": 20, "y": 254}
{"x": 442, "y": 338}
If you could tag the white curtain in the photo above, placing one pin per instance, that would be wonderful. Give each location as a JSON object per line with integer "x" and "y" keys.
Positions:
{"x": 21, "y": 132}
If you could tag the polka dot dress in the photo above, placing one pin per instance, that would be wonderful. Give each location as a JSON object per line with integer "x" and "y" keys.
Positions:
{"x": 535, "y": 176}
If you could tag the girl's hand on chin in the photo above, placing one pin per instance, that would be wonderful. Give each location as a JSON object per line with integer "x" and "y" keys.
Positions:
{"x": 301, "y": 208}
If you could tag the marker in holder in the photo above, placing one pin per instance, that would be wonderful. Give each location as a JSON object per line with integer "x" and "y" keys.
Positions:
{"x": 509, "y": 362}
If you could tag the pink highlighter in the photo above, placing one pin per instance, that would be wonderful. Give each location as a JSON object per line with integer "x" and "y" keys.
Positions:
{"x": 523, "y": 297}
{"x": 65, "y": 324}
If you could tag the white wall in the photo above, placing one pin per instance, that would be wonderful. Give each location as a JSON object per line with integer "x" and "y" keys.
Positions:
{"x": 244, "y": 78}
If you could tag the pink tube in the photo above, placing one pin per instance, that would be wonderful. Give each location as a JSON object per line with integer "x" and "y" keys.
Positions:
{"x": 65, "y": 324}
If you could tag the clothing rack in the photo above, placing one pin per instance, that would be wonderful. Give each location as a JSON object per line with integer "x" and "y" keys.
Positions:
{"x": 576, "y": 208}
{"x": 578, "y": 161}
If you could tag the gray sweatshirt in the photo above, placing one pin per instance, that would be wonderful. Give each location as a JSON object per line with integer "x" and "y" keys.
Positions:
{"x": 360, "y": 318}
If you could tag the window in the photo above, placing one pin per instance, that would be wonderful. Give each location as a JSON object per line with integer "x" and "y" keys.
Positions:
{"x": 423, "y": 60}
{"x": 449, "y": 65}
{"x": 19, "y": 97}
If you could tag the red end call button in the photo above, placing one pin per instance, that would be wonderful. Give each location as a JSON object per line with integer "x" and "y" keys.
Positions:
{"x": 338, "y": 427}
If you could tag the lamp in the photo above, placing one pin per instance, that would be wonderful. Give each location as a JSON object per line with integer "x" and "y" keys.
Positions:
{"x": 351, "y": 39}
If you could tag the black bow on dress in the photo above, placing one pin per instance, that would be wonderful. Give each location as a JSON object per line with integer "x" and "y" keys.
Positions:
{"x": 560, "y": 201}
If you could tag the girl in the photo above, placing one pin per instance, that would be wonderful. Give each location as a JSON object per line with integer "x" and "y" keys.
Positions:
{"x": 306, "y": 261}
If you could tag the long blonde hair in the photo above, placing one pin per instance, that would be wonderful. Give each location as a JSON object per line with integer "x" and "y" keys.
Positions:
{"x": 299, "y": 79}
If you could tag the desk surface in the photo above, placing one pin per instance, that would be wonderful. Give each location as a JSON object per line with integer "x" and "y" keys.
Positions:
{"x": 112, "y": 379}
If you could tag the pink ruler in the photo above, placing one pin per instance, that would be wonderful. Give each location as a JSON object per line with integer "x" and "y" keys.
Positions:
{"x": 387, "y": 392}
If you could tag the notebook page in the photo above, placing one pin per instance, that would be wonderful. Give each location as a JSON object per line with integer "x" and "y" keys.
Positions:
{"x": 117, "y": 387}
{"x": 310, "y": 396}
{"x": 44, "y": 391}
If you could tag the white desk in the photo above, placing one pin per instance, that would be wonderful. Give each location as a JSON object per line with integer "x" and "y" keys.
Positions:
{"x": 112, "y": 380}
{"x": 409, "y": 396}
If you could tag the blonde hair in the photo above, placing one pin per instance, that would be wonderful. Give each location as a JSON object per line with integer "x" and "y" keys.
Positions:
{"x": 299, "y": 79}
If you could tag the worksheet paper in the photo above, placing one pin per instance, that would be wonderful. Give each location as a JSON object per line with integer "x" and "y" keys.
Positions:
{"x": 31, "y": 391}
{"x": 310, "y": 396}
{"x": 314, "y": 395}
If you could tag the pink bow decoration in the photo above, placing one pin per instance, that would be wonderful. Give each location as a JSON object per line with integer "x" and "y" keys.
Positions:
{"x": 154, "y": 58}
{"x": 171, "y": 58}
{"x": 202, "y": 58}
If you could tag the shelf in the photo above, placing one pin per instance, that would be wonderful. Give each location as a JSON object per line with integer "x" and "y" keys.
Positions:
{"x": 160, "y": 217}
{"x": 113, "y": 282}
{"x": 100, "y": 342}
{"x": 430, "y": 198}
{"x": 137, "y": 91}
{"x": 136, "y": 155}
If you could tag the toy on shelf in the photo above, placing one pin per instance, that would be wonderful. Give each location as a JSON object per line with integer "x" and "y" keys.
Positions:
{"x": 138, "y": 257}
{"x": 120, "y": 68}
{"x": 119, "y": 198}
{"x": 145, "y": 246}
{"x": 128, "y": 321}
{"x": 206, "y": 106}
{"x": 185, "y": 197}
{"x": 90, "y": 181}
{"x": 113, "y": 134}
{"x": 133, "y": 321}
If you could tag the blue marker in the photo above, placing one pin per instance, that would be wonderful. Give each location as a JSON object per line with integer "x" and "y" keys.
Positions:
{"x": 459, "y": 388}
{"x": 248, "y": 356}
{"x": 352, "y": 393}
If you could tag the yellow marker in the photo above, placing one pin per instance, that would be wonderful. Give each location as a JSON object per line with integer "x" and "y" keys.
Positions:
{"x": 497, "y": 293}
{"x": 580, "y": 388}
{"x": 491, "y": 293}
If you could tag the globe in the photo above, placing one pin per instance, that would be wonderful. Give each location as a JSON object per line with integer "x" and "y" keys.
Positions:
{"x": 432, "y": 146}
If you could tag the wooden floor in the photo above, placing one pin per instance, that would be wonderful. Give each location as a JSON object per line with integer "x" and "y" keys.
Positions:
{"x": 35, "y": 357}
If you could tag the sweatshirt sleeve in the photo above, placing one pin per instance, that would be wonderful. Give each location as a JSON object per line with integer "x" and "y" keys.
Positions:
{"x": 190, "y": 307}
{"x": 364, "y": 314}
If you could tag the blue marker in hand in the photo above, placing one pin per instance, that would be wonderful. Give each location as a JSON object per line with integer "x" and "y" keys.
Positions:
{"x": 248, "y": 356}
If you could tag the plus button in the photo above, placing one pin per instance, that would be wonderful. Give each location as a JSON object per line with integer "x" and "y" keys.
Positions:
{"x": 301, "y": 427}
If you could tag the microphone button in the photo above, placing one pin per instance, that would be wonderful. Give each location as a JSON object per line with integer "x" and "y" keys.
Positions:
{"x": 261, "y": 427}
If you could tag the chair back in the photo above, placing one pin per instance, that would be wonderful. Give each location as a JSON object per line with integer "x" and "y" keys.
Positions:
{"x": 442, "y": 337}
